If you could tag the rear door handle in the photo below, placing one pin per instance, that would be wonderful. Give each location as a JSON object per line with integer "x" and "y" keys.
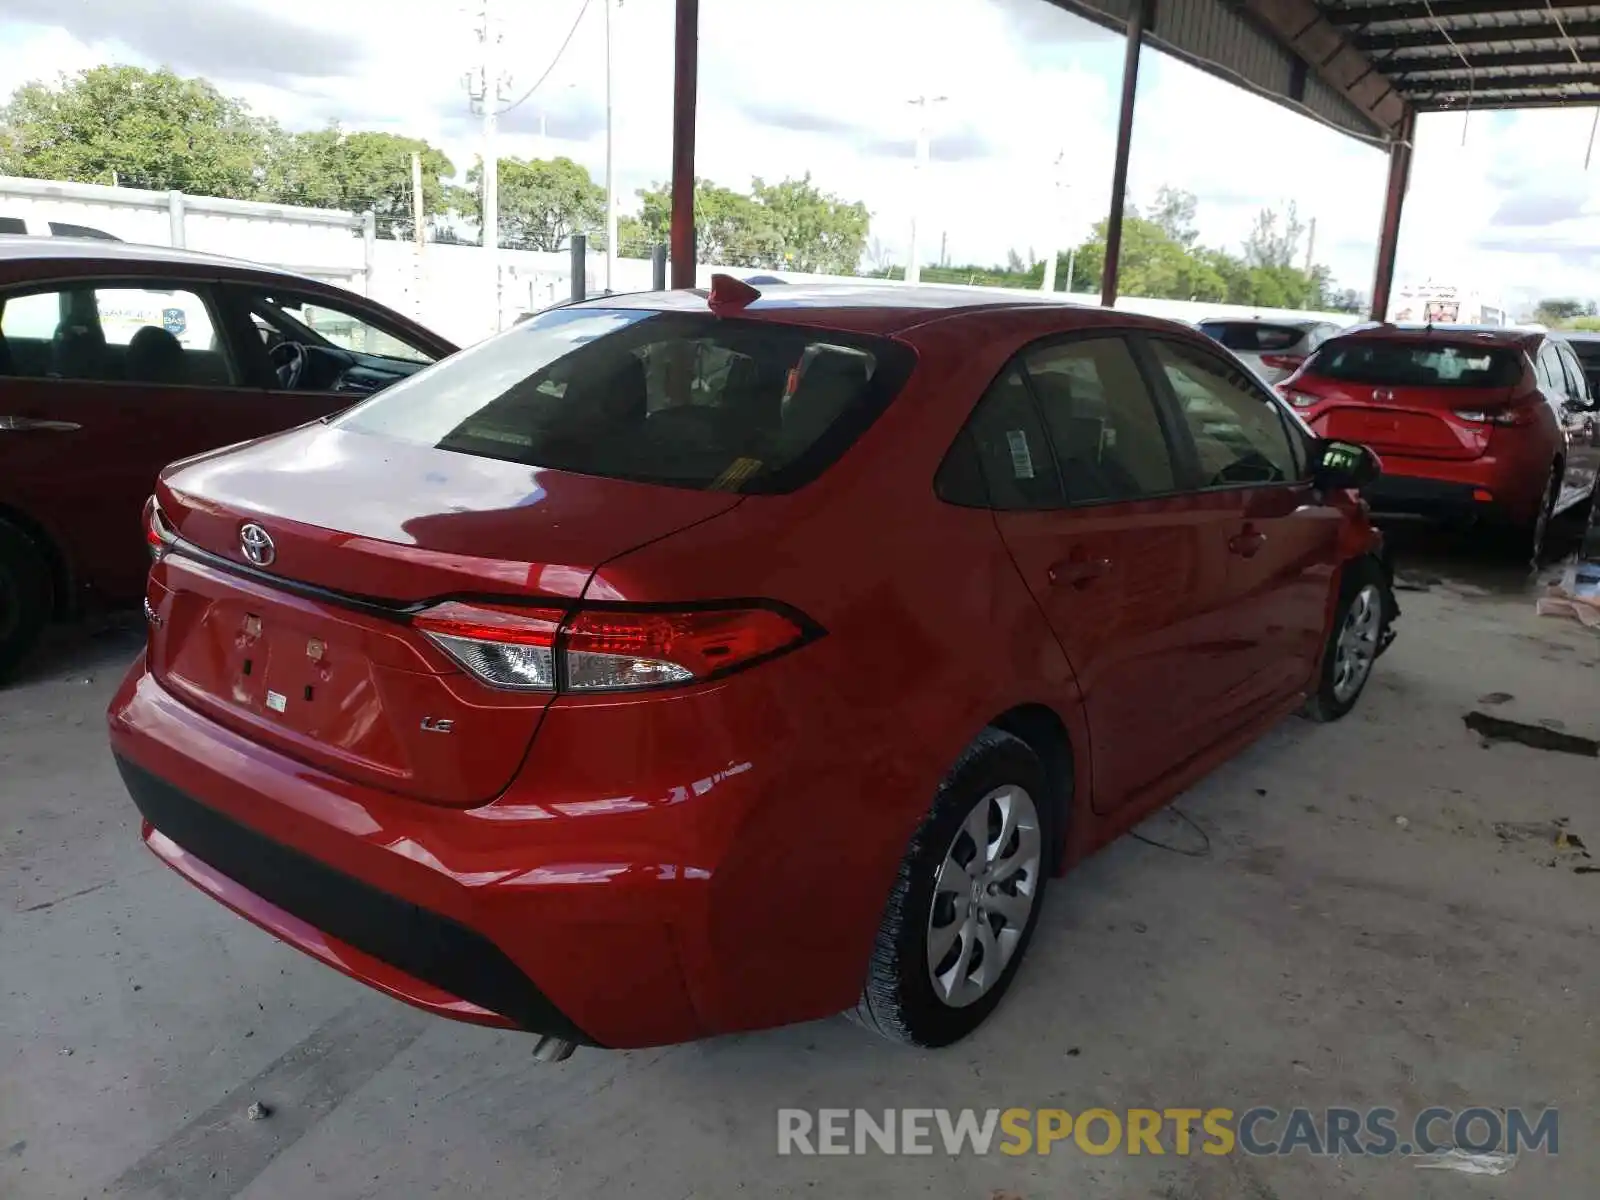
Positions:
{"x": 1247, "y": 543}
{"x": 36, "y": 425}
{"x": 1078, "y": 572}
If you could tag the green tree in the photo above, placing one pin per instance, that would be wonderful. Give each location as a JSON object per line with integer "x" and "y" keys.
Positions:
{"x": 730, "y": 228}
{"x": 1274, "y": 240}
{"x": 1556, "y": 312}
{"x": 543, "y": 202}
{"x": 791, "y": 225}
{"x": 138, "y": 128}
{"x": 330, "y": 168}
{"x": 815, "y": 230}
{"x": 1174, "y": 214}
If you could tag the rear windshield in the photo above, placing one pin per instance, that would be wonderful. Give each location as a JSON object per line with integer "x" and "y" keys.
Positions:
{"x": 1416, "y": 364}
{"x": 1252, "y": 335}
{"x": 684, "y": 399}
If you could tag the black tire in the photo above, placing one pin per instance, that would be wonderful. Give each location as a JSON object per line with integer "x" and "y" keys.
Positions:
{"x": 899, "y": 1000}
{"x": 25, "y": 596}
{"x": 1526, "y": 542}
{"x": 1329, "y": 702}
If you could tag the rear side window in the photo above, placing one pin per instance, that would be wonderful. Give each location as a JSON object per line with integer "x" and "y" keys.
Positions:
{"x": 1252, "y": 336}
{"x": 1002, "y": 459}
{"x": 683, "y": 399}
{"x": 13, "y": 225}
{"x": 1417, "y": 364}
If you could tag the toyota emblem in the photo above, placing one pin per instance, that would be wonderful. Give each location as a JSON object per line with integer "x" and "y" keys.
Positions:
{"x": 256, "y": 545}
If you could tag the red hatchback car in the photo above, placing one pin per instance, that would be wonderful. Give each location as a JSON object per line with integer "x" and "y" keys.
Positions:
{"x": 671, "y": 664}
{"x": 117, "y": 359}
{"x": 1473, "y": 424}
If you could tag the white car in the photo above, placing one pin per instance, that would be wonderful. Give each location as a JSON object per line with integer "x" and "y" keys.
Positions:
{"x": 1273, "y": 349}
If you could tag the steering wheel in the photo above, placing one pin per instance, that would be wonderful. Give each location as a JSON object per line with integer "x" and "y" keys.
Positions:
{"x": 289, "y": 361}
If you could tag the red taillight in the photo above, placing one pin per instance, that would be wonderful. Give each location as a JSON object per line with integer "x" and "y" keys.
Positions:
{"x": 506, "y": 647}
{"x": 1515, "y": 415}
{"x": 156, "y": 533}
{"x": 607, "y": 649}
{"x": 1283, "y": 362}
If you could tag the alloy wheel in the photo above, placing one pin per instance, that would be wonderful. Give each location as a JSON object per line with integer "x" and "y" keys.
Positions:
{"x": 984, "y": 895}
{"x": 1358, "y": 643}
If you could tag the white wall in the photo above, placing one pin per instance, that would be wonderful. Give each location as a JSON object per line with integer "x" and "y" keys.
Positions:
{"x": 448, "y": 288}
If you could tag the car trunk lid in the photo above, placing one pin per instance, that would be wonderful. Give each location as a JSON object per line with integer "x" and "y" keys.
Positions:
{"x": 1401, "y": 394}
{"x": 311, "y": 652}
{"x": 1418, "y": 422}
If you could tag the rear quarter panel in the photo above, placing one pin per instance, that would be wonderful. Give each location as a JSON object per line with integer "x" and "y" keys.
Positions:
{"x": 931, "y": 634}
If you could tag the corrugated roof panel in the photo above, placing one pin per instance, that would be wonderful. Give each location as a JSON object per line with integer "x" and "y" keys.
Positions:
{"x": 1213, "y": 36}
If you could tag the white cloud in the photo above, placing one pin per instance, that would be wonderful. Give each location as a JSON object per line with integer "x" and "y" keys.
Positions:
{"x": 789, "y": 86}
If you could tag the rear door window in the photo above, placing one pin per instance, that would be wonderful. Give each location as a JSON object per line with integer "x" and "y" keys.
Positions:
{"x": 1252, "y": 336}
{"x": 1577, "y": 387}
{"x": 683, "y": 399}
{"x": 1417, "y": 364}
{"x": 115, "y": 333}
{"x": 1552, "y": 376}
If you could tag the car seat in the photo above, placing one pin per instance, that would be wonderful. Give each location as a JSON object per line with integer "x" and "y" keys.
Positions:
{"x": 155, "y": 356}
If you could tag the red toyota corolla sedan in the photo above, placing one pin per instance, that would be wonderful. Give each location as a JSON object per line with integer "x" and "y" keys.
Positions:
{"x": 1473, "y": 424}
{"x": 678, "y": 664}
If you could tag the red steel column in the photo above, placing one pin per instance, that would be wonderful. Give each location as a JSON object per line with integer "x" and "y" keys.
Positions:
{"x": 1394, "y": 200}
{"x": 1140, "y": 19}
{"x": 685, "y": 83}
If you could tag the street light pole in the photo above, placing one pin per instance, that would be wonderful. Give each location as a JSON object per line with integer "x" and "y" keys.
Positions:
{"x": 924, "y": 141}
{"x": 487, "y": 93}
{"x": 611, "y": 176}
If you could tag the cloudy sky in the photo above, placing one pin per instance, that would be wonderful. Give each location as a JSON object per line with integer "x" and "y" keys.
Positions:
{"x": 789, "y": 86}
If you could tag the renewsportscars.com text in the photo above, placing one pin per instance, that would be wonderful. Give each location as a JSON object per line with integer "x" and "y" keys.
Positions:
{"x": 1180, "y": 1131}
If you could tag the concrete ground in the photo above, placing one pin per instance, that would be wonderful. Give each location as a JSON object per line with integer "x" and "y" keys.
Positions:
{"x": 1383, "y": 918}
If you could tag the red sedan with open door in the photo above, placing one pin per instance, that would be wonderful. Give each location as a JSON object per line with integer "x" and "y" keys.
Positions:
{"x": 117, "y": 359}
{"x": 682, "y": 663}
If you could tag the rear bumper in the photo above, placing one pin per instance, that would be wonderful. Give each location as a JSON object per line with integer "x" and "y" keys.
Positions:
{"x": 1486, "y": 488}
{"x": 408, "y": 951}
{"x": 1411, "y": 496}
{"x": 673, "y": 888}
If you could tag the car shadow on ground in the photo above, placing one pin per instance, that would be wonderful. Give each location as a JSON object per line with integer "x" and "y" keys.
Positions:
{"x": 81, "y": 648}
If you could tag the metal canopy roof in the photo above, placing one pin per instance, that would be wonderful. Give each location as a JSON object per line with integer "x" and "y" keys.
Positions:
{"x": 1451, "y": 54}
{"x": 1363, "y": 66}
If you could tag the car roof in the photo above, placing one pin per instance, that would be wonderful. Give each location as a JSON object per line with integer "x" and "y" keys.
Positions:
{"x": 1588, "y": 336}
{"x": 22, "y": 248}
{"x": 1489, "y": 335}
{"x": 876, "y": 307}
{"x": 1284, "y": 322}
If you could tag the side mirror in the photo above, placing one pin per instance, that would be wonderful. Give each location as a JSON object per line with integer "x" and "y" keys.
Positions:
{"x": 1338, "y": 465}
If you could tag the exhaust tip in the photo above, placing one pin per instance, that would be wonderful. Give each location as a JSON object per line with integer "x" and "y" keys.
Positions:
{"x": 553, "y": 1049}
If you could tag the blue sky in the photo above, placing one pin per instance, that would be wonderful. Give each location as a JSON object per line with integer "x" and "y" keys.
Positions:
{"x": 822, "y": 85}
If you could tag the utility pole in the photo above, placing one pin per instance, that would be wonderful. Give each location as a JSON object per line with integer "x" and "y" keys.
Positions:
{"x": 924, "y": 138}
{"x": 485, "y": 91}
{"x": 1311, "y": 245}
{"x": 1053, "y": 225}
{"x": 417, "y": 231}
{"x": 611, "y": 175}
{"x": 944, "y": 248}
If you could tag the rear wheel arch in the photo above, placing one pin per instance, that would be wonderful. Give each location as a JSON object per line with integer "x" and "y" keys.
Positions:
{"x": 49, "y": 550}
{"x": 1046, "y": 734}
